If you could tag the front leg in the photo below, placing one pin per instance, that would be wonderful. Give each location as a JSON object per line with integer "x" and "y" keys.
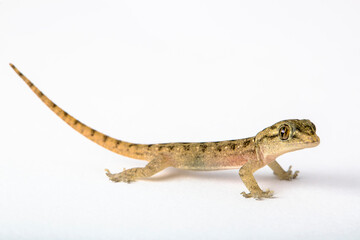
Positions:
{"x": 246, "y": 175}
{"x": 281, "y": 173}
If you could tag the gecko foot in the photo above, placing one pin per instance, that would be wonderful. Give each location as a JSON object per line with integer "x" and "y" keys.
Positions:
{"x": 258, "y": 195}
{"x": 119, "y": 177}
{"x": 289, "y": 175}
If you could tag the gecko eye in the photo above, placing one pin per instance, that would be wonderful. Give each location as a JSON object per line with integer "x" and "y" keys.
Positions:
{"x": 284, "y": 132}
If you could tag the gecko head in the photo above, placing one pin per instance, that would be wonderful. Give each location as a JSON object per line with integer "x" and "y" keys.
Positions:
{"x": 286, "y": 136}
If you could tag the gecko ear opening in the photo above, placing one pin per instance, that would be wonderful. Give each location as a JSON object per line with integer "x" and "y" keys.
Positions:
{"x": 284, "y": 132}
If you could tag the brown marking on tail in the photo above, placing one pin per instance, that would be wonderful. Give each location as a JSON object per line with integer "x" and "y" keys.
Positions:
{"x": 138, "y": 151}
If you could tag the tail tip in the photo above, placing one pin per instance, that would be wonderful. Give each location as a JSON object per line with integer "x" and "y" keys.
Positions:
{"x": 12, "y": 65}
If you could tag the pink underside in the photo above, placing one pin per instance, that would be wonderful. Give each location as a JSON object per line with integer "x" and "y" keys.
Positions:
{"x": 221, "y": 163}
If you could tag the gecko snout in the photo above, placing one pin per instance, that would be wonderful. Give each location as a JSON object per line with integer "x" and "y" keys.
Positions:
{"x": 312, "y": 141}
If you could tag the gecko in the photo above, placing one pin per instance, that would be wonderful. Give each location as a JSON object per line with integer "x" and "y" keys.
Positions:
{"x": 247, "y": 154}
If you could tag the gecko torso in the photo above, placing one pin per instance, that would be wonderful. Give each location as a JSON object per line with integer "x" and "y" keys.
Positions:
{"x": 248, "y": 154}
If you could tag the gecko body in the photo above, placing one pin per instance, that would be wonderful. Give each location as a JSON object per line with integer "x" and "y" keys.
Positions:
{"x": 248, "y": 154}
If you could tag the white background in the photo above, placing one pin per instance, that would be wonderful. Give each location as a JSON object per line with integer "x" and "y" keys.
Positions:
{"x": 165, "y": 71}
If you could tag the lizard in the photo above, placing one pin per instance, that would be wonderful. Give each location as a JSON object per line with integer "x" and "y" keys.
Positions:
{"x": 247, "y": 154}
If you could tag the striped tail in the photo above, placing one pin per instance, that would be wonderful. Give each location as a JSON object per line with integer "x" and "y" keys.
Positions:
{"x": 138, "y": 151}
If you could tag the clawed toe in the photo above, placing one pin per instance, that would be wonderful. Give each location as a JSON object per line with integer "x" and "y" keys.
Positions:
{"x": 288, "y": 175}
{"x": 119, "y": 177}
{"x": 259, "y": 194}
{"x": 108, "y": 173}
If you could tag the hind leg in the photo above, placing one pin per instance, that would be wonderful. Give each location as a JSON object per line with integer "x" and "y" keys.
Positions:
{"x": 130, "y": 175}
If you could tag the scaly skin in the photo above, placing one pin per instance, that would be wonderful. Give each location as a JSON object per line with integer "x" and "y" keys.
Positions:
{"x": 248, "y": 154}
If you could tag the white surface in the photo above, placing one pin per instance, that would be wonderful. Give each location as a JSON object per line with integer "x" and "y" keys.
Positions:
{"x": 164, "y": 71}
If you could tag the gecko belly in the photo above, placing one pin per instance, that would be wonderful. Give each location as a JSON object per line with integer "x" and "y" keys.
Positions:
{"x": 207, "y": 163}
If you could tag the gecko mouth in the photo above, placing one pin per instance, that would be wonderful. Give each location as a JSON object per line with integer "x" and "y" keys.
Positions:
{"x": 313, "y": 141}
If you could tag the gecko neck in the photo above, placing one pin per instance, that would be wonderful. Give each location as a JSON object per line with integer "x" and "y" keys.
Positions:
{"x": 261, "y": 157}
